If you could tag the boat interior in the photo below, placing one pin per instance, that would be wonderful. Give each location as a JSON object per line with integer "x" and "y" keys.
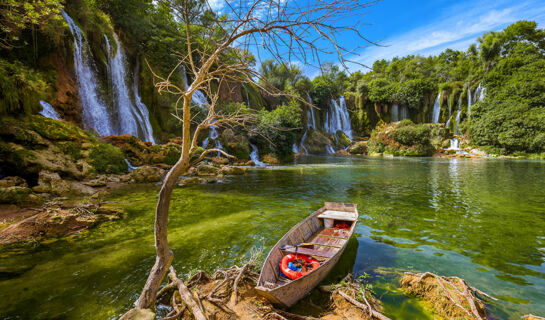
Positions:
{"x": 318, "y": 236}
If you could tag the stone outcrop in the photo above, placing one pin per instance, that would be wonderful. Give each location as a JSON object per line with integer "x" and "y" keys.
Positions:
{"x": 359, "y": 147}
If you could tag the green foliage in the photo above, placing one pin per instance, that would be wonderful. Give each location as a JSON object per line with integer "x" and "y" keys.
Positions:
{"x": 281, "y": 76}
{"x": 278, "y": 125}
{"x": 17, "y": 15}
{"x": 407, "y": 139}
{"x": 21, "y": 88}
{"x": 106, "y": 158}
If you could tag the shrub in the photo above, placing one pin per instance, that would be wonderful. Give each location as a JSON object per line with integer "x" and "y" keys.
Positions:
{"x": 106, "y": 158}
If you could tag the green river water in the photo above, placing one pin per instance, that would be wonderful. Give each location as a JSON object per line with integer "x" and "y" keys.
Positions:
{"x": 482, "y": 220}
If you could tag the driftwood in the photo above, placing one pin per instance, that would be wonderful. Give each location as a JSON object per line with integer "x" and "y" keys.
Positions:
{"x": 367, "y": 308}
{"x": 186, "y": 295}
{"x": 453, "y": 290}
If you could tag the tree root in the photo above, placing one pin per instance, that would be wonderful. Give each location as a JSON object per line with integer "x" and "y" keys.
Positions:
{"x": 454, "y": 290}
{"x": 367, "y": 308}
{"x": 186, "y": 295}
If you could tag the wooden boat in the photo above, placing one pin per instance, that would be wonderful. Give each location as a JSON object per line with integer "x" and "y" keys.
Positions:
{"x": 321, "y": 240}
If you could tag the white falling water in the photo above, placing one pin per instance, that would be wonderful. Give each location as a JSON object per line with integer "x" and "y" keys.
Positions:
{"x": 131, "y": 118}
{"x": 254, "y": 155}
{"x": 143, "y": 111}
{"x": 95, "y": 112}
{"x": 479, "y": 93}
{"x": 198, "y": 96}
{"x": 436, "y": 109}
{"x": 329, "y": 149}
{"x": 130, "y": 166}
{"x": 338, "y": 118}
{"x": 294, "y": 148}
{"x": 403, "y": 113}
{"x": 469, "y": 101}
{"x": 458, "y": 115}
{"x": 311, "y": 123}
{"x": 48, "y": 111}
{"x": 395, "y": 113}
{"x": 454, "y": 144}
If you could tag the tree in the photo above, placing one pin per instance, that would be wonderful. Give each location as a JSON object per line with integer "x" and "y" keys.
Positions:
{"x": 16, "y": 15}
{"x": 286, "y": 30}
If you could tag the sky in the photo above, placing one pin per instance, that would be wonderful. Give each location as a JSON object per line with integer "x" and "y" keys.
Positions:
{"x": 425, "y": 27}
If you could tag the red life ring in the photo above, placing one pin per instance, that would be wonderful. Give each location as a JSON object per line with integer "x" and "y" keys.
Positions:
{"x": 297, "y": 274}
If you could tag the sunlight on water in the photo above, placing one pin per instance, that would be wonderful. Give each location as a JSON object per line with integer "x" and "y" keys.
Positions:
{"x": 483, "y": 220}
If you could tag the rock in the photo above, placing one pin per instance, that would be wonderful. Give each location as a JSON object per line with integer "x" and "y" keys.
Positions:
{"x": 375, "y": 154}
{"x": 57, "y": 222}
{"x": 532, "y": 317}
{"x": 342, "y": 152}
{"x": 98, "y": 182}
{"x": 478, "y": 152}
{"x": 232, "y": 170}
{"x": 189, "y": 180}
{"x": 316, "y": 142}
{"x": 51, "y": 182}
{"x": 235, "y": 144}
{"x": 207, "y": 170}
{"x": 80, "y": 188}
{"x": 359, "y": 147}
{"x": 270, "y": 159}
{"x": 147, "y": 174}
{"x": 12, "y": 182}
{"x": 18, "y": 195}
{"x": 138, "y": 314}
{"x": 250, "y": 163}
{"x": 220, "y": 160}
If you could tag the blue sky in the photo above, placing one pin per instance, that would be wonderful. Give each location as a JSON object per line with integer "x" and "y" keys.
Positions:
{"x": 427, "y": 27}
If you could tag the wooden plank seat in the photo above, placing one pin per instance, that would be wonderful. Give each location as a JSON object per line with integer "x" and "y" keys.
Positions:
{"x": 328, "y": 241}
{"x": 337, "y": 233}
{"x": 312, "y": 252}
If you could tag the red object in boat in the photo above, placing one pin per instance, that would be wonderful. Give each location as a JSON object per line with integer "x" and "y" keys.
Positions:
{"x": 297, "y": 274}
{"x": 342, "y": 225}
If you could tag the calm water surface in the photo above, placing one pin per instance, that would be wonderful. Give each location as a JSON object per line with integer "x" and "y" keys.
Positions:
{"x": 482, "y": 220}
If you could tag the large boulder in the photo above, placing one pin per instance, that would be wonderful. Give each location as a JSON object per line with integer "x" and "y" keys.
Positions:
{"x": 18, "y": 195}
{"x": 236, "y": 144}
{"x": 207, "y": 170}
{"x": 359, "y": 147}
{"x": 147, "y": 174}
{"x": 316, "y": 142}
{"x": 51, "y": 182}
{"x": 232, "y": 170}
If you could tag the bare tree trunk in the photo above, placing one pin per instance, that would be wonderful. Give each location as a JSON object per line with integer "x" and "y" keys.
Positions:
{"x": 165, "y": 256}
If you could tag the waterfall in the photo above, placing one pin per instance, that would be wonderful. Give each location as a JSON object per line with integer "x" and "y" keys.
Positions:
{"x": 311, "y": 123}
{"x": 436, "y": 109}
{"x": 48, "y": 111}
{"x": 130, "y": 118}
{"x": 458, "y": 115}
{"x": 143, "y": 111}
{"x": 212, "y": 134}
{"x": 294, "y": 148}
{"x": 95, "y": 112}
{"x": 329, "y": 149}
{"x": 338, "y": 118}
{"x": 395, "y": 113}
{"x": 479, "y": 93}
{"x": 198, "y": 96}
{"x": 254, "y": 155}
{"x": 469, "y": 102}
{"x": 130, "y": 166}
{"x": 454, "y": 144}
{"x": 404, "y": 113}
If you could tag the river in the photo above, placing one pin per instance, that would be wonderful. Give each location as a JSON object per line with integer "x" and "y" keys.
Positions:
{"x": 482, "y": 220}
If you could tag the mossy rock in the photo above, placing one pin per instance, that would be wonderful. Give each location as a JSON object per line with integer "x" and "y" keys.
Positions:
{"x": 316, "y": 142}
{"x": 57, "y": 130}
{"x": 18, "y": 195}
{"x": 405, "y": 138}
{"x": 359, "y": 147}
{"x": 236, "y": 144}
{"x": 106, "y": 158}
{"x": 341, "y": 140}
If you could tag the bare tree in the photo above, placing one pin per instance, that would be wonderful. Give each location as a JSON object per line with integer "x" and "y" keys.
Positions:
{"x": 286, "y": 30}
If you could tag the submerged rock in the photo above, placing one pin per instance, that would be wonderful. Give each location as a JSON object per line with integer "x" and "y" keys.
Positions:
{"x": 147, "y": 174}
{"x": 270, "y": 159}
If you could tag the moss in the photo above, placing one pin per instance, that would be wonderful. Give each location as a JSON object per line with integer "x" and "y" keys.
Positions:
{"x": 173, "y": 154}
{"x": 71, "y": 148}
{"x": 56, "y": 130}
{"x": 106, "y": 158}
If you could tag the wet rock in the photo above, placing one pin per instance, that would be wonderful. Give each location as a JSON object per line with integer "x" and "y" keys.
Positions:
{"x": 57, "y": 222}
{"x": 532, "y": 317}
{"x": 207, "y": 170}
{"x": 80, "y": 188}
{"x": 232, "y": 170}
{"x": 220, "y": 160}
{"x": 359, "y": 147}
{"x": 189, "y": 180}
{"x": 51, "y": 182}
{"x": 270, "y": 159}
{"x": 342, "y": 152}
{"x": 478, "y": 152}
{"x": 12, "y": 182}
{"x": 18, "y": 195}
{"x": 98, "y": 182}
{"x": 147, "y": 174}
{"x": 138, "y": 314}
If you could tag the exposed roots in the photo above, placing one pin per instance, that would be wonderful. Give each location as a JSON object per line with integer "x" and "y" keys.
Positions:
{"x": 451, "y": 297}
{"x": 359, "y": 296}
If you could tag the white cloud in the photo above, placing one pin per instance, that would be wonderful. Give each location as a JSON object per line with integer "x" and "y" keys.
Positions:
{"x": 216, "y": 5}
{"x": 456, "y": 31}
